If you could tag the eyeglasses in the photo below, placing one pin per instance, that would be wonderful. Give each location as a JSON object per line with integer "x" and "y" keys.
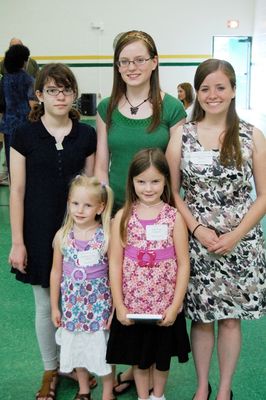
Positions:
{"x": 55, "y": 92}
{"x": 138, "y": 61}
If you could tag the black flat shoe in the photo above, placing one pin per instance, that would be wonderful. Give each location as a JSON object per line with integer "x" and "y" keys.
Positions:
{"x": 209, "y": 392}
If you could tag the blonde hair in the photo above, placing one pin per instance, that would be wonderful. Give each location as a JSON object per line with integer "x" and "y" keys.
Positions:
{"x": 102, "y": 193}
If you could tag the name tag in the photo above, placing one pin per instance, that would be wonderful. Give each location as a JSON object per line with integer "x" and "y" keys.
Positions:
{"x": 201, "y": 157}
{"x": 89, "y": 257}
{"x": 156, "y": 232}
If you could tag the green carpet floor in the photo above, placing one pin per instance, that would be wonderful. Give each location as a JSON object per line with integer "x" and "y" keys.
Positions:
{"x": 20, "y": 363}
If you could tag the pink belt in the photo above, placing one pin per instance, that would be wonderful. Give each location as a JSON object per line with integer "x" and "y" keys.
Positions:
{"x": 148, "y": 258}
{"x": 80, "y": 274}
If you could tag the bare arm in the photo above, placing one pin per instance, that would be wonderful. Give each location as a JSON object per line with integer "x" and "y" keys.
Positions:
{"x": 229, "y": 240}
{"x": 173, "y": 155}
{"x": 183, "y": 263}
{"x": 116, "y": 269}
{"x": 183, "y": 270}
{"x": 18, "y": 252}
{"x": 174, "y": 127}
{"x": 102, "y": 152}
{"x": 89, "y": 165}
{"x": 55, "y": 281}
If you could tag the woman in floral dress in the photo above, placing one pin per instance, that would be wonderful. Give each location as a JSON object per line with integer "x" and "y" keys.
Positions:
{"x": 214, "y": 159}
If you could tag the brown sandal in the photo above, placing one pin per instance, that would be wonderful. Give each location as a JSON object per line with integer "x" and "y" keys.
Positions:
{"x": 72, "y": 375}
{"x": 46, "y": 391}
{"x": 86, "y": 396}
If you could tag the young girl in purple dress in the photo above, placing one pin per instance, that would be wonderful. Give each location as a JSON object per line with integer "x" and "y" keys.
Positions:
{"x": 80, "y": 272}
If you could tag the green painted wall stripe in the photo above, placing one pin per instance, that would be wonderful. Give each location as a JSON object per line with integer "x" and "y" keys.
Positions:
{"x": 95, "y": 65}
{"x": 179, "y": 64}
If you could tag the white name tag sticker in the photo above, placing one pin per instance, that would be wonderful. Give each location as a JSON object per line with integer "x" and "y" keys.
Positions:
{"x": 89, "y": 257}
{"x": 201, "y": 157}
{"x": 156, "y": 232}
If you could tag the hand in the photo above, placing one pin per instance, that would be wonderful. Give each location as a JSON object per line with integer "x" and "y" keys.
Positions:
{"x": 206, "y": 236}
{"x": 170, "y": 315}
{"x": 225, "y": 244}
{"x": 18, "y": 257}
{"x": 56, "y": 318}
{"x": 121, "y": 313}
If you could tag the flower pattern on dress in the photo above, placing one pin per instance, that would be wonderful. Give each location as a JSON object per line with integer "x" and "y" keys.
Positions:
{"x": 84, "y": 308}
{"x": 149, "y": 289}
{"x": 231, "y": 286}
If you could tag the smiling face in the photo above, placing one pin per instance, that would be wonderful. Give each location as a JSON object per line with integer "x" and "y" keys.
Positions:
{"x": 59, "y": 105}
{"x": 149, "y": 186}
{"x": 137, "y": 75}
{"x": 216, "y": 93}
{"x": 83, "y": 207}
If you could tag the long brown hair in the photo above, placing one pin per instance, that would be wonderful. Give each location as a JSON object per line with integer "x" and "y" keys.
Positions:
{"x": 62, "y": 76}
{"x": 231, "y": 149}
{"x": 140, "y": 163}
{"x": 119, "y": 86}
{"x": 189, "y": 92}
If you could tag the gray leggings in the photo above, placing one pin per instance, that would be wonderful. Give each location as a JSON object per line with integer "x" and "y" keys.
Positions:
{"x": 45, "y": 330}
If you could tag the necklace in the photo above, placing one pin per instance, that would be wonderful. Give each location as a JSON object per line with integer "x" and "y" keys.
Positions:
{"x": 135, "y": 109}
{"x": 58, "y": 136}
{"x": 152, "y": 205}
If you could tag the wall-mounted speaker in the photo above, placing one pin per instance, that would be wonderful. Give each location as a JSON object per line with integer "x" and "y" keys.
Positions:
{"x": 88, "y": 104}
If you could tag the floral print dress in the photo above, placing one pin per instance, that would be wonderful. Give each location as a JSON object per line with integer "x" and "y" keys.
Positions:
{"x": 86, "y": 296}
{"x": 86, "y": 305}
{"x": 231, "y": 286}
{"x": 150, "y": 289}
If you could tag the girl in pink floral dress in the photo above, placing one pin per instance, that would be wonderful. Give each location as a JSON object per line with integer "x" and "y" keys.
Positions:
{"x": 80, "y": 272}
{"x": 149, "y": 272}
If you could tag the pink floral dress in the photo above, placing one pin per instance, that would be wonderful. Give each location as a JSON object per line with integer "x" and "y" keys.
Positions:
{"x": 148, "y": 287}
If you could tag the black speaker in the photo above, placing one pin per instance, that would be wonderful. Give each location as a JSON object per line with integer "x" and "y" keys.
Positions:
{"x": 88, "y": 104}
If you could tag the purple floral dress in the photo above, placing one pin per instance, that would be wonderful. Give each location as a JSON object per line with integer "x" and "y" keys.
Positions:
{"x": 231, "y": 286}
{"x": 86, "y": 301}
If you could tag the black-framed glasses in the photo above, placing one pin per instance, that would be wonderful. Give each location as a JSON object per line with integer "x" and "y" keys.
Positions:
{"x": 55, "y": 92}
{"x": 137, "y": 61}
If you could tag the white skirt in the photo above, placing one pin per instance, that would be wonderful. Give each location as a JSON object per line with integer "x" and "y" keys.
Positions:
{"x": 83, "y": 350}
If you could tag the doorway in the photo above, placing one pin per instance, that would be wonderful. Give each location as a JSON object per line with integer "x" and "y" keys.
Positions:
{"x": 236, "y": 50}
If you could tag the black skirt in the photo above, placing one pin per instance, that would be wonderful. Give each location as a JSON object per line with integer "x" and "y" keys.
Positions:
{"x": 147, "y": 344}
